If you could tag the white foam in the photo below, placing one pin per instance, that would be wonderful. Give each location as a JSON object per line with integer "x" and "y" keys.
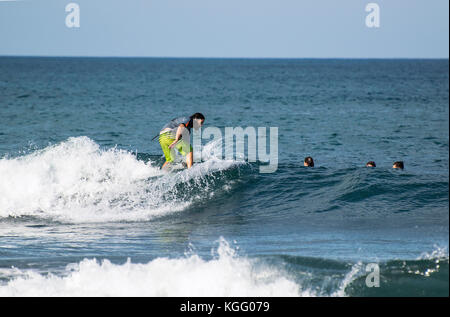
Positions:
{"x": 77, "y": 181}
{"x": 225, "y": 275}
{"x": 439, "y": 253}
{"x": 354, "y": 273}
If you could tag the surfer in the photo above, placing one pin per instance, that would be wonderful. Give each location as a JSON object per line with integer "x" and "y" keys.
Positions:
{"x": 176, "y": 134}
{"x": 371, "y": 164}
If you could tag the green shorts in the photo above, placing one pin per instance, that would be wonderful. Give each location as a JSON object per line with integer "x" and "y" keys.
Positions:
{"x": 166, "y": 139}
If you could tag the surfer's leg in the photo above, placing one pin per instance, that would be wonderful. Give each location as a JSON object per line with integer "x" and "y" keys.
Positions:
{"x": 165, "y": 141}
{"x": 186, "y": 150}
{"x": 189, "y": 159}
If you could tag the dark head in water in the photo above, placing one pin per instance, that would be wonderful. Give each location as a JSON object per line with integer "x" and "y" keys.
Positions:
{"x": 308, "y": 161}
{"x": 398, "y": 164}
{"x": 371, "y": 164}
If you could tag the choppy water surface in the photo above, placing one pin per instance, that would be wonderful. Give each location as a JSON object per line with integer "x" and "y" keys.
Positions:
{"x": 86, "y": 211}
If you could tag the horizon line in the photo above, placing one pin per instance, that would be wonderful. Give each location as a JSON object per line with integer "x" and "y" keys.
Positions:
{"x": 209, "y": 57}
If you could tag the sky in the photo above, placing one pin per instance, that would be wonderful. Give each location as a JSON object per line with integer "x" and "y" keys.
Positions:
{"x": 226, "y": 28}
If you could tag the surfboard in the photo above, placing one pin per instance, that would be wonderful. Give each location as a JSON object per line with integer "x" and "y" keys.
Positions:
{"x": 175, "y": 167}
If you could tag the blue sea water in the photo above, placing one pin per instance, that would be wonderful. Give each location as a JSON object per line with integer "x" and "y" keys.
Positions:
{"x": 86, "y": 211}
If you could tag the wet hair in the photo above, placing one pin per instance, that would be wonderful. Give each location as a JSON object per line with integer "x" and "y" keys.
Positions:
{"x": 309, "y": 161}
{"x": 198, "y": 115}
{"x": 371, "y": 164}
{"x": 398, "y": 164}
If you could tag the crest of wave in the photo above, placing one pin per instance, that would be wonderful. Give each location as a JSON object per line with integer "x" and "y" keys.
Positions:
{"x": 77, "y": 181}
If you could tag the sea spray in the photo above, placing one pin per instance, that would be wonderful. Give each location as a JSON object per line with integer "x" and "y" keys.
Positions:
{"x": 77, "y": 181}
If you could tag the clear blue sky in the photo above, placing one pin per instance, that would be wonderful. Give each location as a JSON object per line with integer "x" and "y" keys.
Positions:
{"x": 226, "y": 28}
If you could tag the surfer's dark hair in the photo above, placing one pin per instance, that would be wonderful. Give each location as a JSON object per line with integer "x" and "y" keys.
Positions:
{"x": 371, "y": 164}
{"x": 309, "y": 161}
{"x": 399, "y": 164}
{"x": 198, "y": 115}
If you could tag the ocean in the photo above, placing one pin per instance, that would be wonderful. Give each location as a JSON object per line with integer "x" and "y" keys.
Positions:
{"x": 85, "y": 209}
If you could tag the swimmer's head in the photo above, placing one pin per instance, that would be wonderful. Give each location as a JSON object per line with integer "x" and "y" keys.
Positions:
{"x": 371, "y": 164}
{"x": 308, "y": 161}
{"x": 398, "y": 164}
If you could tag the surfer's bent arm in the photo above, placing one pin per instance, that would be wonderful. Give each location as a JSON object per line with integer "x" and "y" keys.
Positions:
{"x": 178, "y": 136}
